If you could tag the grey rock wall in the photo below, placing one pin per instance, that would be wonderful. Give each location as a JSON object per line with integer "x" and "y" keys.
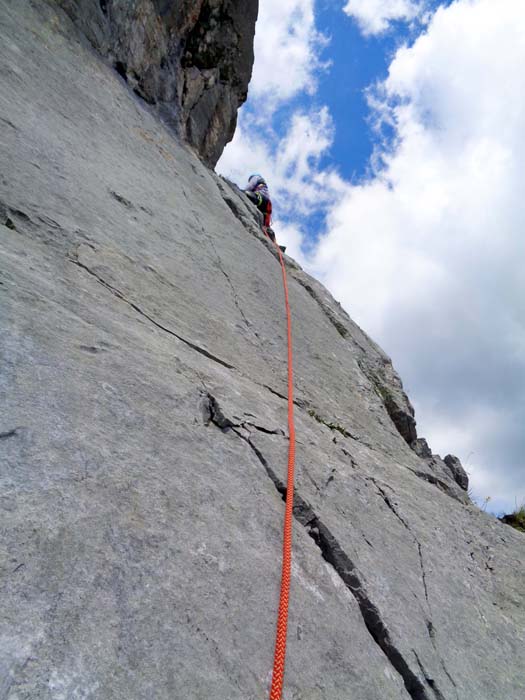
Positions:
{"x": 143, "y": 436}
{"x": 191, "y": 58}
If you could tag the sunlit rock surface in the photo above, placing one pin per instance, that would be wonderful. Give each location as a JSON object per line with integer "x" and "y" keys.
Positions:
{"x": 143, "y": 436}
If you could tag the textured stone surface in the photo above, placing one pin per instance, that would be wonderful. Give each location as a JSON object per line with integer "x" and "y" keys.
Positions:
{"x": 192, "y": 59}
{"x": 421, "y": 448}
{"x": 459, "y": 474}
{"x": 143, "y": 437}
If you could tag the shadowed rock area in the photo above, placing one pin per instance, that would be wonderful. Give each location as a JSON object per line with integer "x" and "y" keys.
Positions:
{"x": 143, "y": 433}
{"x": 192, "y": 59}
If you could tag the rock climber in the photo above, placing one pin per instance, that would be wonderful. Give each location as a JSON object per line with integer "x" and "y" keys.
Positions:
{"x": 257, "y": 191}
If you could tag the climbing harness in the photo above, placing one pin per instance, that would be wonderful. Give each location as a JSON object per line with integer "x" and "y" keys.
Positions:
{"x": 282, "y": 616}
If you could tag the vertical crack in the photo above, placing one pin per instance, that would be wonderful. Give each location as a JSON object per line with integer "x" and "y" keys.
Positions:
{"x": 424, "y": 577}
{"x": 391, "y": 506}
{"x": 334, "y": 555}
{"x": 428, "y": 680}
{"x": 389, "y": 503}
{"x": 234, "y": 293}
{"x": 345, "y": 568}
{"x": 430, "y": 625}
{"x": 453, "y": 682}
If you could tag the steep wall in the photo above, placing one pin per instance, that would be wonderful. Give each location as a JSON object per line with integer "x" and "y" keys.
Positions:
{"x": 143, "y": 436}
{"x": 193, "y": 58}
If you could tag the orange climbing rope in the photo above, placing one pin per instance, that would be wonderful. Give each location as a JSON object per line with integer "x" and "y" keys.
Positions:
{"x": 282, "y": 616}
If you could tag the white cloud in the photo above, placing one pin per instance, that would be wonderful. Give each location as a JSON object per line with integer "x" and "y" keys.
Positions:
{"x": 292, "y": 237}
{"x": 375, "y": 16}
{"x": 290, "y": 164}
{"x": 287, "y": 61}
{"x": 428, "y": 254}
{"x": 287, "y": 50}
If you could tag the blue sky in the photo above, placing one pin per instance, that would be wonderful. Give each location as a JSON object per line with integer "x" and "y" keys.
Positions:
{"x": 343, "y": 85}
{"x": 416, "y": 226}
{"x": 340, "y": 80}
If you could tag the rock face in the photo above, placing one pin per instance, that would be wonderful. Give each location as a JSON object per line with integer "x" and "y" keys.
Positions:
{"x": 191, "y": 58}
{"x": 143, "y": 436}
{"x": 459, "y": 474}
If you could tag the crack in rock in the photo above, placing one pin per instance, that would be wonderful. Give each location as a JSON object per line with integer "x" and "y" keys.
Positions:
{"x": 333, "y": 554}
{"x": 137, "y": 308}
{"x": 401, "y": 412}
{"x": 235, "y": 297}
{"x": 121, "y": 199}
{"x": 9, "y": 123}
{"x": 276, "y": 393}
{"x": 339, "y": 327}
{"x": 9, "y": 433}
{"x": 402, "y": 416}
{"x": 430, "y": 625}
{"x": 389, "y": 503}
{"x": 391, "y": 506}
{"x": 116, "y": 292}
{"x": 215, "y": 415}
{"x": 8, "y": 216}
{"x": 429, "y": 681}
{"x": 442, "y": 486}
{"x": 333, "y": 426}
{"x": 233, "y": 290}
{"x": 453, "y": 682}
{"x": 262, "y": 429}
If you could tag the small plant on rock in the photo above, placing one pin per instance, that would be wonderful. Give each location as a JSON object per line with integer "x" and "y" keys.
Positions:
{"x": 516, "y": 519}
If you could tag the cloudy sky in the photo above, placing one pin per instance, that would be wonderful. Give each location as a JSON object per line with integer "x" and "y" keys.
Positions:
{"x": 391, "y": 133}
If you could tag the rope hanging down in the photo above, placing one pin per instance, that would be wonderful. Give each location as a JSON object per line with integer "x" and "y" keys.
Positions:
{"x": 282, "y": 616}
